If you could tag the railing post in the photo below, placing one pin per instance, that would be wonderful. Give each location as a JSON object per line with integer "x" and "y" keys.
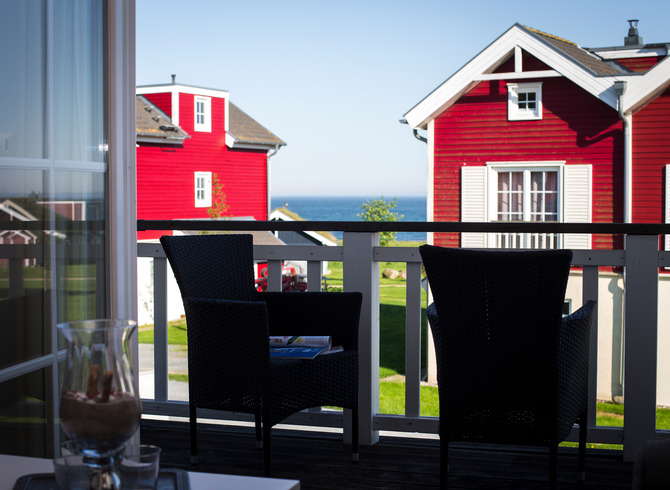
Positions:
{"x": 640, "y": 342}
{"x": 160, "y": 329}
{"x": 361, "y": 273}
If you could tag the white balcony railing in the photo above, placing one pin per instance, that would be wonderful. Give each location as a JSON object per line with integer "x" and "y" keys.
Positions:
{"x": 361, "y": 255}
{"x": 527, "y": 240}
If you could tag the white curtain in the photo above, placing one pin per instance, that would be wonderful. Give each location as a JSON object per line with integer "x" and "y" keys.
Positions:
{"x": 79, "y": 81}
{"x": 23, "y": 80}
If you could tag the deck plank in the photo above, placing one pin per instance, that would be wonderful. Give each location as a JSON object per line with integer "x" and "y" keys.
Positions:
{"x": 320, "y": 461}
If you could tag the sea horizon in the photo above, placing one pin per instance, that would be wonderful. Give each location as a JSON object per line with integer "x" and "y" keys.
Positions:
{"x": 347, "y": 208}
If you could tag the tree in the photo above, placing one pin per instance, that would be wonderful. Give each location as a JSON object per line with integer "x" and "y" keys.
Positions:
{"x": 380, "y": 210}
{"x": 219, "y": 207}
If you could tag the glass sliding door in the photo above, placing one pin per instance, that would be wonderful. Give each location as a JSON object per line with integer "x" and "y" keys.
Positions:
{"x": 53, "y": 202}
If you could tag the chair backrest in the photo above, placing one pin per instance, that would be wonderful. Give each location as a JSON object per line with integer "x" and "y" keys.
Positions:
{"x": 212, "y": 266}
{"x": 499, "y": 313}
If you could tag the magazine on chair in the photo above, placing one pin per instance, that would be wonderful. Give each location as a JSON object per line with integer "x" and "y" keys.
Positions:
{"x": 301, "y": 347}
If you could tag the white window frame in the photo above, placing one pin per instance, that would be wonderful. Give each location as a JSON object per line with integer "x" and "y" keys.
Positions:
{"x": 479, "y": 199}
{"x": 203, "y": 189}
{"x": 514, "y": 112}
{"x": 494, "y": 240}
{"x": 202, "y": 114}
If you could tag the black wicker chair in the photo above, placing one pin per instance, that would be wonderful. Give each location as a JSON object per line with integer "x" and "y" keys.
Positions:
{"x": 510, "y": 369}
{"x": 228, "y": 324}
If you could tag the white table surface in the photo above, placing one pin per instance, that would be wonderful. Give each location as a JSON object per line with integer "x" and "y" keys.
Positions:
{"x": 14, "y": 467}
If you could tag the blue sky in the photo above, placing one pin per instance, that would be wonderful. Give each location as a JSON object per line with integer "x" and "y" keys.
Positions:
{"x": 332, "y": 78}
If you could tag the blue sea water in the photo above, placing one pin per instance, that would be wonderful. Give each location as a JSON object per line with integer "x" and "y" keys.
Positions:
{"x": 337, "y": 208}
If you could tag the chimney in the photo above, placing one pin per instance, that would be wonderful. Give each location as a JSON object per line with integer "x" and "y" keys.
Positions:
{"x": 633, "y": 38}
{"x": 174, "y": 78}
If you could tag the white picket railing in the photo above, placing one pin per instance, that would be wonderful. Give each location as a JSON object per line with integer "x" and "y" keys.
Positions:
{"x": 361, "y": 256}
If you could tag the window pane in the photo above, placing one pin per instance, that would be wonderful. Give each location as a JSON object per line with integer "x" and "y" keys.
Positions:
{"x": 80, "y": 245}
{"x": 516, "y": 206}
{"x": 503, "y": 181}
{"x": 25, "y": 276}
{"x": 25, "y": 411}
{"x": 551, "y": 204}
{"x": 551, "y": 181}
{"x": 79, "y": 111}
{"x": 23, "y": 80}
{"x": 517, "y": 181}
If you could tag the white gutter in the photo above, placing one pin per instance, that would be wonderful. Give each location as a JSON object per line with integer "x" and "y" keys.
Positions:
{"x": 627, "y": 121}
{"x": 269, "y": 193}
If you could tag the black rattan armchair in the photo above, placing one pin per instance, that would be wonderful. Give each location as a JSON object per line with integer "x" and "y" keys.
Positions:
{"x": 228, "y": 324}
{"x": 510, "y": 369}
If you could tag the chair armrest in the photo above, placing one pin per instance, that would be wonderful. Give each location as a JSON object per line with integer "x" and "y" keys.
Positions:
{"x": 573, "y": 351}
{"x": 315, "y": 313}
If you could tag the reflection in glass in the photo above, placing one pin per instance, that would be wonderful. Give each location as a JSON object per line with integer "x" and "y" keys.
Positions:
{"x": 25, "y": 274}
{"x": 25, "y": 414}
{"x": 23, "y": 80}
{"x": 79, "y": 216}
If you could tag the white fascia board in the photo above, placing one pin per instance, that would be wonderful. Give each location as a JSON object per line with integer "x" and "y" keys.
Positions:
{"x": 599, "y": 86}
{"x": 491, "y": 57}
{"x": 462, "y": 81}
{"x": 231, "y": 142}
{"x": 159, "y": 140}
{"x": 641, "y": 89}
{"x": 615, "y": 54}
{"x": 184, "y": 89}
{"x": 522, "y": 75}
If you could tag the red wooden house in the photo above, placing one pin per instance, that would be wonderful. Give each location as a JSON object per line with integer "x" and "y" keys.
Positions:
{"x": 537, "y": 128}
{"x": 187, "y": 136}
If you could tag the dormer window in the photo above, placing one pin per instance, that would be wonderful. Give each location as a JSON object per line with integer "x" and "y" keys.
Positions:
{"x": 203, "y": 114}
{"x": 524, "y": 101}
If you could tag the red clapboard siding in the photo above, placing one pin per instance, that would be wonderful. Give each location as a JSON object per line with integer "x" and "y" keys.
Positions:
{"x": 528, "y": 62}
{"x": 166, "y": 174}
{"x": 640, "y": 64}
{"x": 162, "y": 101}
{"x": 576, "y": 128}
{"x": 651, "y": 153}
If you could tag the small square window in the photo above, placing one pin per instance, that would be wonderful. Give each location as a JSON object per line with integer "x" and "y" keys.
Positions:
{"x": 524, "y": 101}
{"x": 203, "y": 189}
{"x": 202, "y": 120}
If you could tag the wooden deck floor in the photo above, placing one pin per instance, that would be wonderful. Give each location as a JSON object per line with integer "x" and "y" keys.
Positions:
{"x": 321, "y": 461}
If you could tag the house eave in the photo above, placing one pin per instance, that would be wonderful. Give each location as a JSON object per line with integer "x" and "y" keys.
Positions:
{"x": 492, "y": 56}
{"x": 160, "y": 140}
{"x": 234, "y": 143}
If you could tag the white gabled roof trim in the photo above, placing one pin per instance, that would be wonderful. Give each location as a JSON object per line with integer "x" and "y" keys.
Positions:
{"x": 639, "y": 89}
{"x": 615, "y": 54}
{"x": 518, "y": 75}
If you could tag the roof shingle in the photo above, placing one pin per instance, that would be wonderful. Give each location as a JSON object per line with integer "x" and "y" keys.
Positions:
{"x": 246, "y": 130}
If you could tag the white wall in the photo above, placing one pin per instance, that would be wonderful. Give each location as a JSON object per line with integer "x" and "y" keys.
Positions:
{"x": 145, "y": 306}
{"x": 610, "y": 315}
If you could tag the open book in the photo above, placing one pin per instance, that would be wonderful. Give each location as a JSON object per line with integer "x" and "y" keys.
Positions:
{"x": 306, "y": 347}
